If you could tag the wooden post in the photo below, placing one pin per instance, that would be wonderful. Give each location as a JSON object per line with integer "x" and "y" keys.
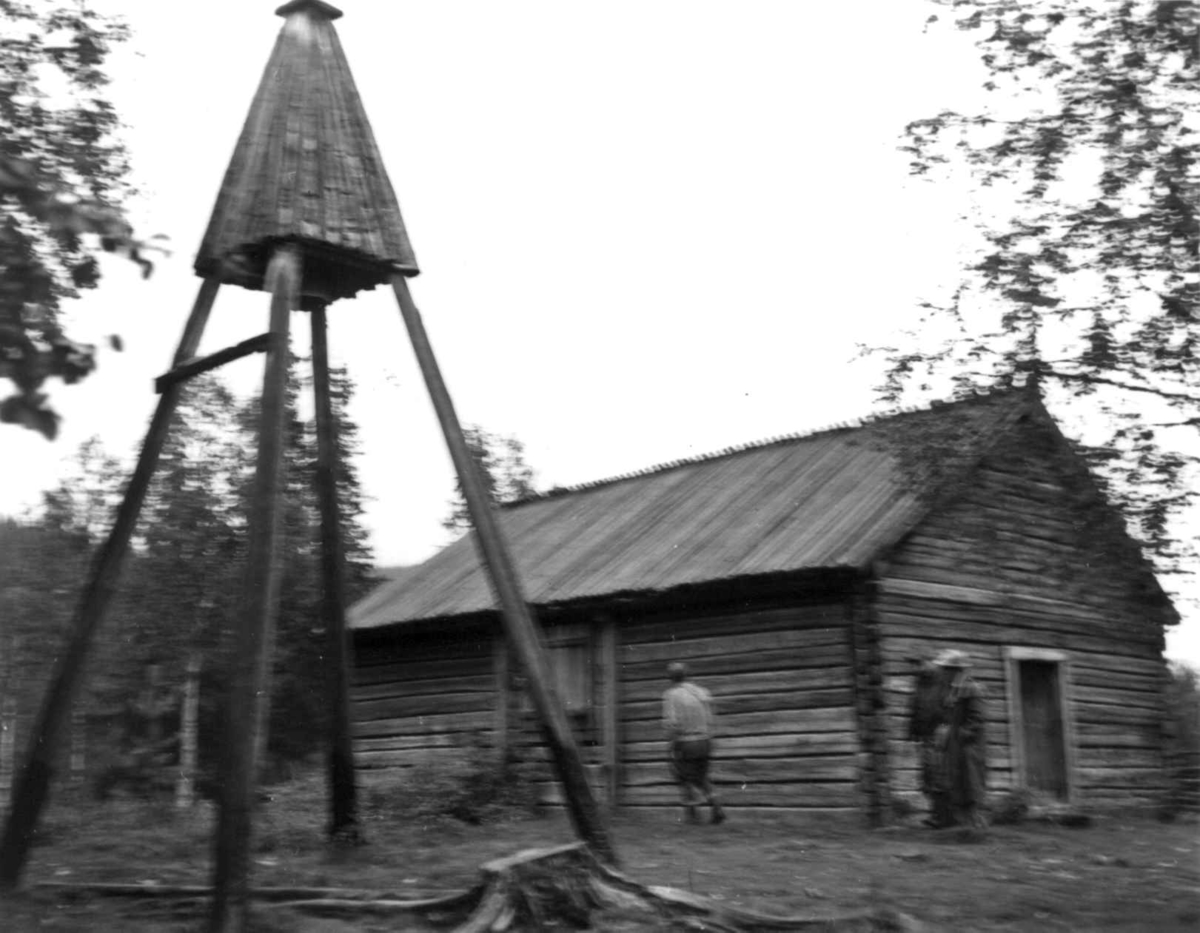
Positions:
{"x": 870, "y": 701}
{"x": 500, "y": 716}
{"x": 343, "y": 797}
{"x": 610, "y": 733}
{"x": 189, "y": 715}
{"x": 248, "y": 698}
{"x": 33, "y": 782}
{"x": 8, "y": 716}
{"x": 519, "y": 624}
{"x": 78, "y": 746}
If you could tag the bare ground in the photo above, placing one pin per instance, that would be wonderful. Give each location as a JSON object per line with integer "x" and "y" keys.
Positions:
{"x": 1117, "y": 874}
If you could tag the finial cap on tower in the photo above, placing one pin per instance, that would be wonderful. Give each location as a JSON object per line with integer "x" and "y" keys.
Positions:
{"x": 325, "y": 9}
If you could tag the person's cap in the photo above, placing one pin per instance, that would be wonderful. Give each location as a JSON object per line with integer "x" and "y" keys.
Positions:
{"x": 677, "y": 670}
{"x": 952, "y": 657}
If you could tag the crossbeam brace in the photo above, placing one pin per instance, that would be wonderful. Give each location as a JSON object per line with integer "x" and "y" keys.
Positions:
{"x": 202, "y": 364}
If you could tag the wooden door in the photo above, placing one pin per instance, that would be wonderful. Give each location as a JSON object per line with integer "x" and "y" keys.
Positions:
{"x": 1042, "y": 728}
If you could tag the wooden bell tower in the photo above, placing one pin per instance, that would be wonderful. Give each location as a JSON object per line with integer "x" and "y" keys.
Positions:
{"x": 306, "y": 212}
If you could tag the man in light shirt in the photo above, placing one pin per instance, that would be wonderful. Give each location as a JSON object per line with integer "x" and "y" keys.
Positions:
{"x": 689, "y": 722}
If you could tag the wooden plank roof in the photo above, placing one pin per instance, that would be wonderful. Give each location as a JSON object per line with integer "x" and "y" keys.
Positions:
{"x": 830, "y": 500}
{"x": 306, "y": 169}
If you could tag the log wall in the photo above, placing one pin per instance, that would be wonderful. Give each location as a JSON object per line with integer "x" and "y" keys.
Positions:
{"x": 423, "y": 699}
{"x": 1026, "y": 557}
{"x": 783, "y": 685}
{"x": 790, "y": 733}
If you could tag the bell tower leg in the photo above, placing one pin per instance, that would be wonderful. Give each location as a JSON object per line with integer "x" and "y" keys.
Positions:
{"x": 519, "y": 625}
{"x": 248, "y": 698}
{"x": 33, "y": 781}
{"x": 343, "y": 802}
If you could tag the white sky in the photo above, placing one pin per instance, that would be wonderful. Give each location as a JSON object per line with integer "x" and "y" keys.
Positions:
{"x": 647, "y": 229}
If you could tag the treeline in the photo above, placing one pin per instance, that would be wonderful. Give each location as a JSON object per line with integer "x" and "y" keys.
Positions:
{"x": 179, "y": 595}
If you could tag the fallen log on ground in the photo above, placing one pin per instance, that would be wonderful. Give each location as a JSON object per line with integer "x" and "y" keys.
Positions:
{"x": 564, "y": 887}
{"x": 151, "y": 889}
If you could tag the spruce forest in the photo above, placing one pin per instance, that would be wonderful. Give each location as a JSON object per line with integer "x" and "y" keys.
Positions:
{"x": 165, "y": 637}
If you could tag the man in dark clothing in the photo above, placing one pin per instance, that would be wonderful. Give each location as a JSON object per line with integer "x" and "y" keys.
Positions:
{"x": 690, "y": 722}
{"x": 962, "y": 741}
{"x": 926, "y": 713}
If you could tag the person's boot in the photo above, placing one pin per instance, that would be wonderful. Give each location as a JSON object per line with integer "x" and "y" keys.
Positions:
{"x": 718, "y": 813}
{"x": 692, "y": 813}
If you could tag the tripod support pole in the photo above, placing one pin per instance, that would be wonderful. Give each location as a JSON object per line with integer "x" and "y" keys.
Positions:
{"x": 249, "y": 694}
{"x": 519, "y": 623}
{"x": 33, "y": 782}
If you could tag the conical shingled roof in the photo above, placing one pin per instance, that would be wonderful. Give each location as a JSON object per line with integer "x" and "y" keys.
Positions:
{"x": 307, "y": 169}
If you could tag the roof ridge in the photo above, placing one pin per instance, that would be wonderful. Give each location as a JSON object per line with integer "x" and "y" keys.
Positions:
{"x": 854, "y": 424}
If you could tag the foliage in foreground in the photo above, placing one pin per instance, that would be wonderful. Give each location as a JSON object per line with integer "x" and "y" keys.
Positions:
{"x": 469, "y": 788}
{"x": 1084, "y": 158}
{"x": 62, "y": 182}
{"x": 1183, "y": 710}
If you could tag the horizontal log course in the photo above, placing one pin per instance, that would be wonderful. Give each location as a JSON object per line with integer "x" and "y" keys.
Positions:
{"x": 752, "y": 746}
{"x": 986, "y": 522}
{"x": 743, "y": 683}
{"x": 1029, "y": 580}
{"x": 975, "y": 634}
{"x": 1134, "y": 778}
{"x": 1092, "y": 757}
{"x": 976, "y": 546}
{"x": 985, "y": 669}
{"x": 898, "y": 649}
{"x": 797, "y": 796}
{"x": 1008, "y": 524}
{"x": 693, "y": 649}
{"x": 950, "y": 562}
{"x": 920, "y": 584}
{"x": 1094, "y": 713}
{"x": 997, "y": 780}
{"x": 423, "y": 648}
{"x": 831, "y": 616}
{"x": 416, "y": 706}
{"x": 452, "y": 723}
{"x": 424, "y": 669}
{"x": 738, "y": 657}
{"x": 903, "y": 756}
{"x": 800, "y": 721}
{"x": 1142, "y": 684}
{"x": 753, "y": 771}
{"x": 941, "y": 546}
{"x": 392, "y": 689}
{"x": 411, "y": 757}
{"x": 995, "y": 699}
{"x": 1085, "y": 667}
{"x": 995, "y": 718}
{"x": 1153, "y": 702}
{"x": 401, "y": 743}
{"x": 1147, "y": 735}
{"x": 782, "y": 704}
{"x": 1123, "y": 800}
{"x": 1132, "y": 635}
